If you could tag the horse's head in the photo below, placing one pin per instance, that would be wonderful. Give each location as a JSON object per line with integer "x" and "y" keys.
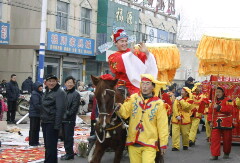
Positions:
{"x": 106, "y": 98}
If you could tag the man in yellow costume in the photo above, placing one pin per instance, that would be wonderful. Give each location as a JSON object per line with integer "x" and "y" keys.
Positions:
{"x": 181, "y": 119}
{"x": 148, "y": 121}
{"x": 196, "y": 116}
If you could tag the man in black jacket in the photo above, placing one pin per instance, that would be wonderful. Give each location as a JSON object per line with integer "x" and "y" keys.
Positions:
{"x": 13, "y": 93}
{"x": 34, "y": 113}
{"x": 73, "y": 102}
{"x": 53, "y": 108}
{"x": 27, "y": 85}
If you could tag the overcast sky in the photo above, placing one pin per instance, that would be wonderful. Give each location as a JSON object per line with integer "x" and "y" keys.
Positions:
{"x": 199, "y": 17}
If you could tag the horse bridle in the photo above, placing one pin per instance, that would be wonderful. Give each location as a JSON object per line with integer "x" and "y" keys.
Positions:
{"x": 114, "y": 108}
{"x": 104, "y": 107}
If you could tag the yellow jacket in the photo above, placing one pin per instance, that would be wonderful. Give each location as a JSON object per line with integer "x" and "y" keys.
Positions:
{"x": 148, "y": 121}
{"x": 197, "y": 100}
{"x": 183, "y": 109}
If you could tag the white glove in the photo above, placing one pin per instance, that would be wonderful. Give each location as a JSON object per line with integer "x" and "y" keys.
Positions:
{"x": 179, "y": 118}
{"x": 210, "y": 101}
{"x": 179, "y": 98}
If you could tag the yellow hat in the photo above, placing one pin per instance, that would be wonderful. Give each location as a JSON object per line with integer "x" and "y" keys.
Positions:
{"x": 158, "y": 84}
{"x": 195, "y": 86}
{"x": 188, "y": 90}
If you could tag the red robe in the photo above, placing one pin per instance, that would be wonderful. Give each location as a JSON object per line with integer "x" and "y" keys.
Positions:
{"x": 168, "y": 103}
{"x": 222, "y": 116}
{"x": 117, "y": 67}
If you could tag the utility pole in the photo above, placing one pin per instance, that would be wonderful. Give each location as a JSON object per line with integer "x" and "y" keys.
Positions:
{"x": 42, "y": 41}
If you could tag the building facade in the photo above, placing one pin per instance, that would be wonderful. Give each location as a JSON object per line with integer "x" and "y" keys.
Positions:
{"x": 75, "y": 30}
{"x": 70, "y": 38}
{"x": 139, "y": 19}
{"x": 189, "y": 62}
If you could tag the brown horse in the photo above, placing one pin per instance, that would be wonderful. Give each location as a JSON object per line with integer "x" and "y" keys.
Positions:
{"x": 109, "y": 129}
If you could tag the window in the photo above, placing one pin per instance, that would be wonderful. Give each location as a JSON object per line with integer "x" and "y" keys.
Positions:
{"x": 85, "y": 17}
{"x": 139, "y": 33}
{"x": 62, "y": 15}
{"x": 172, "y": 37}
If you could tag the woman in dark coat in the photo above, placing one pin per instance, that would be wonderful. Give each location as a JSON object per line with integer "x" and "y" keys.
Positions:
{"x": 34, "y": 113}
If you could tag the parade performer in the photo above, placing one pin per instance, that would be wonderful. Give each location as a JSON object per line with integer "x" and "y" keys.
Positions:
{"x": 128, "y": 64}
{"x": 220, "y": 117}
{"x": 181, "y": 119}
{"x": 167, "y": 101}
{"x": 196, "y": 116}
{"x": 148, "y": 121}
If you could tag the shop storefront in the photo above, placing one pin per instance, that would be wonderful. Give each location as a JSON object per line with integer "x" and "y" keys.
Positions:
{"x": 65, "y": 56}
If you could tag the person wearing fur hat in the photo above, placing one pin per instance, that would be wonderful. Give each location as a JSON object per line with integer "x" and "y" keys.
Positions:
{"x": 148, "y": 121}
{"x": 196, "y": 112}
{"x": 181, "y": 119}
{"x": 220, "y": 118}
{"x": 128, "y": 64}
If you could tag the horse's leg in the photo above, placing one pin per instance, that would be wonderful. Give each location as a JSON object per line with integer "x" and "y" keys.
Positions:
{"x": 119, "y": 153}
{"x": 98, "y": 153}
{"x": 159, "y": 158}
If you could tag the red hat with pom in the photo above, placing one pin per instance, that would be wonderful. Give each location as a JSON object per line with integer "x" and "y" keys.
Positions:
{"x": 121, "y": 33}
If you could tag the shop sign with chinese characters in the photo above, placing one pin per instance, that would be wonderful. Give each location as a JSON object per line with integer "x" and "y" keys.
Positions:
{"x": 5, "y": 33}
{"x": 122, "y": 16}
{"x": 70, "y": 44}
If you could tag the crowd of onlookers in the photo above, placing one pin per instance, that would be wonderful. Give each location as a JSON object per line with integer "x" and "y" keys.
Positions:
{"x": 52, "y": 106}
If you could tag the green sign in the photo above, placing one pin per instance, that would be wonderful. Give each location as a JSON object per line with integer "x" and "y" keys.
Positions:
{"x": 112, "y": 14}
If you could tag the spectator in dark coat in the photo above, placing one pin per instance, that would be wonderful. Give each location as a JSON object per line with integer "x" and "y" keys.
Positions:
{"x": 13, "y": 93}
{"x": 54, "y": 104}
{"x": 34, "y": 113}
{"x": 189, "y": 83}
{"x": 73, "y": 102}
{"x": 27, "y": 85}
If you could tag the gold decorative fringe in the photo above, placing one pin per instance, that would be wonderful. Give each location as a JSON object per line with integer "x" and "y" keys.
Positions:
{"x": 219, "y": 49}
{"x": 218, "y": 68}
{"x": 168, "y": 60}
{"x": 219, "y": 56}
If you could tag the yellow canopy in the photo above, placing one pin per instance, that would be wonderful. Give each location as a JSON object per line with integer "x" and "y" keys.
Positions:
{"x": 168, "y": 59}
{"x": 219, "y": 56}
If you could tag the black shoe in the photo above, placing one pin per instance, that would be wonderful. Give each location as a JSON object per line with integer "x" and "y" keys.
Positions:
{"x": 226, "y": 156}
{"x": 175, "y": 149}
{"x": 191, "y": 143}
{"x": 185, "y": 148}
{"x": 67, "y": 157}
{"x": 9, "y": 122}
{"x": 214, "y": 158}
{"x": 13, "y": 122}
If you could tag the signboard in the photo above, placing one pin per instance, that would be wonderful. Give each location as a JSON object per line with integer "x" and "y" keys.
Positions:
{"x": 151, "y": 35}
{"x": 122, "y": 16}
{"x": 5, "y": 33}
{"x": 70, "y": 44}
{"x": 167, "y": 6}
{"x": 110, "y": 16}
{"x": 162, "y": 36}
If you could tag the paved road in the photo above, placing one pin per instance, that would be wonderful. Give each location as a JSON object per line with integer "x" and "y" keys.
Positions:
{"x": 198, "y": 154}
